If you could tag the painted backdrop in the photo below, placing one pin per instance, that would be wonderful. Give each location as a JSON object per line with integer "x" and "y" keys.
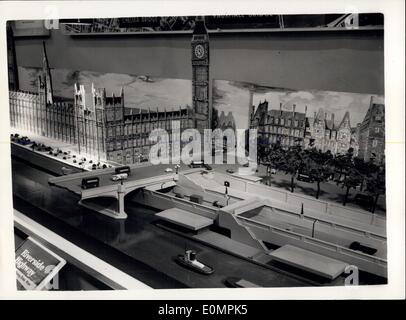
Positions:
{"x": 232, "y": 101}
{"x": 139, "y": 91}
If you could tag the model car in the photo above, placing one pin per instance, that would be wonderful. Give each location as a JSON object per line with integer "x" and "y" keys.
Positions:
{"x": 120, "y": 176}
{"x": 188, "y": 260}
{"x": 364, "y": 200}
{"x": 66, "y": 171}
{"x": 196, "y": 164}
{"x": 168, "y": 170}
{"x": 207, "y": 167}
{"x": 24, "y": 141}
{"x": 230, "y": 171}
{"x": 217, "y": 204}
{"x": 91, "y": 182}
{"x": 124, "y": 169}
{"x": 363, "y": 248}
{"x": 304, "y": 177}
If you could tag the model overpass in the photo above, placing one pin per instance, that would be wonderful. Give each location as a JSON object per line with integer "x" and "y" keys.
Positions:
{"x": 140, "y": 177}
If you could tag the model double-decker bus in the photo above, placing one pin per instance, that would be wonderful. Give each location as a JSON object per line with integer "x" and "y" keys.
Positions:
{"x": 125, "y": 169}
{"x": 91, "y": 182}
{"x": 200, "y": 164}
{"x": 197, "y": 164}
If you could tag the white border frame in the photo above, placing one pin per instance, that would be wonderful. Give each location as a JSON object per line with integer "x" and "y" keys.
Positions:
{"x": 395, "y": 138}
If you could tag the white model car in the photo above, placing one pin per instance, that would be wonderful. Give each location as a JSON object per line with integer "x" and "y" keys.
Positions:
{"x": 168, "y": 170}
{"x": 121, "y": 176}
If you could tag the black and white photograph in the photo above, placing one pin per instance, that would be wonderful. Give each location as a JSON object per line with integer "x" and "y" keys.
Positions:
{"x": 203, "y": 150}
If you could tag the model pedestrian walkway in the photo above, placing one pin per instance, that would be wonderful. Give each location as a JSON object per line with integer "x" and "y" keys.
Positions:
{"x": 185, "y": 219}
{"x": 309, "y": 261}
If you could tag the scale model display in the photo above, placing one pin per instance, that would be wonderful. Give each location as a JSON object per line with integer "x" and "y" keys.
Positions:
{"x": 206, "y": 224}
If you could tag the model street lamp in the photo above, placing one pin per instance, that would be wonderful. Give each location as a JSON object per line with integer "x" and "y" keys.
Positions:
{"x": 227, "y": 185}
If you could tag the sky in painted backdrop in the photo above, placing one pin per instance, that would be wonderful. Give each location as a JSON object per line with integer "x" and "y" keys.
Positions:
{"x": 145, "y": 92}
{"x": 139, "y": 91}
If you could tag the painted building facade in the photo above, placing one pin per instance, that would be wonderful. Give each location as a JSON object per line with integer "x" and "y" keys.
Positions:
{"x": 372, "y": 132}
{"x": 109, "y": 130}
{"x": 327, "y": 135}
{"x": 11, "y": 59}
{"x": 297, "y": 128}
{"x": 287, "y": 127}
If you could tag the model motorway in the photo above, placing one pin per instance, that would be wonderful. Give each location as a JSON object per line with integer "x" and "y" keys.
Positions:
{"x": 149, "y": 249}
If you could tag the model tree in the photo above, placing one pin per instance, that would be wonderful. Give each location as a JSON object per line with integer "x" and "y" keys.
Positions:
{"x": 352, "y": 179}
{"x": 318, "y": 166}
{"x": 375, "y": 186}
{"x": 366, "y": 169}
{"x": 272, "y": 158}
{"x": 291, "y": 163}
{"x": 214, "y": 118}
{"x": 341, "y": 164}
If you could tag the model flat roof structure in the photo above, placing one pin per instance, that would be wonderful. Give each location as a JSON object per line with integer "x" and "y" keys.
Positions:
{"x": 309, "y": 261}
{"x": 185, "y": 219}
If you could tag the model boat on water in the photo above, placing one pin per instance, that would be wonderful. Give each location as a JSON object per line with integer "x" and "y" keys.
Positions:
{"x": 189, "y": 260}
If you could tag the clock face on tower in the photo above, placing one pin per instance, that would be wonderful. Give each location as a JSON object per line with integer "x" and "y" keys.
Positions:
{"x": 199, "y": 51}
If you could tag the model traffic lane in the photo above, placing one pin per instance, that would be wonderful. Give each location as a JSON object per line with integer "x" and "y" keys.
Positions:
{"x": 138, "y": 236}
{"x": 139, "y": 176}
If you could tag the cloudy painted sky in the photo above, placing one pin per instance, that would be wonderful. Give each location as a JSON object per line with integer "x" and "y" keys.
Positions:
{"x": 234, "y": 96}
{"x": 228, "y": 96}
{"x": 154, "y": 93}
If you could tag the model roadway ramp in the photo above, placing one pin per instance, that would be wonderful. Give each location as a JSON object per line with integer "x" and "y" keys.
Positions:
{"x": 139, "y": 177}
{"x": 185, "y": 219}
{"x": 309, "y": 261}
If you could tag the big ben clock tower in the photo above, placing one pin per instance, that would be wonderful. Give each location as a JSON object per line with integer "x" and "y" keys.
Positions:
{"x": 200, "y": 78}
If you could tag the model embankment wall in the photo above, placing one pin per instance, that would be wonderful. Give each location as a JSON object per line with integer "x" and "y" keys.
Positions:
{"x": 296, "y": 200}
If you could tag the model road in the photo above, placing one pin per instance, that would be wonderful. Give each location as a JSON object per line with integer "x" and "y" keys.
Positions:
{"x": 73, "y": 182}
{"x": 138, "y": 236}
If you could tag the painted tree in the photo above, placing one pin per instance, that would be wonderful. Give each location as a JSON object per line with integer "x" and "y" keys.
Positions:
{"x": 292, "y": 162}
{"x": 262, "y": 151}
